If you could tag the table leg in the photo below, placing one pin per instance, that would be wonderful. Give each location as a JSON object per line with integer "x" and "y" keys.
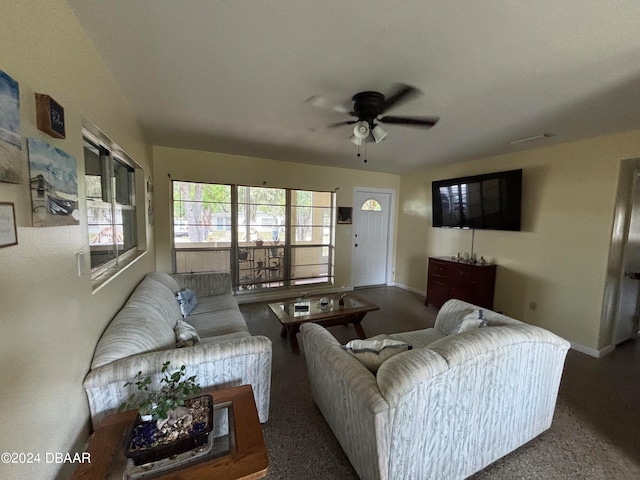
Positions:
{"x": 292, "y": 332}
{"x": 358, "y": 327}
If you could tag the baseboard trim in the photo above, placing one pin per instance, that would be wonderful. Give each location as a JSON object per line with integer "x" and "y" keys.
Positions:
{"x": 592, "y": 352}
{"x": 408, "y": 288}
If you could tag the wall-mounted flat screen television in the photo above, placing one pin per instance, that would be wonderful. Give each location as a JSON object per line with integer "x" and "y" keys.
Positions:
{"x": 491, "y": 201}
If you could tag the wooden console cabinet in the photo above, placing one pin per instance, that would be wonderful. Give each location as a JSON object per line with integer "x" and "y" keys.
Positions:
{"x": 470, "y": 282}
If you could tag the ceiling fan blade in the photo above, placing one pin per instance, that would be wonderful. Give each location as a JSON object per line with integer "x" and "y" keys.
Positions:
{"x": 401, "y": 93}
{"x": 340, "y": 124}
{"x": 320, "y": 101}
{"x": 426, "y": 122}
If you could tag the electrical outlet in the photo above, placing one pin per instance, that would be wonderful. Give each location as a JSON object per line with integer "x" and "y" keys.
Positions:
{"x": 533, "y": 305}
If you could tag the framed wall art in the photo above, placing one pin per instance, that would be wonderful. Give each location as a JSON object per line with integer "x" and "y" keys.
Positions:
{"x": 50, "y": 116}
{"x": 344, "y": 214}
{"x": 11, "y": 167}
{"x": 54, "y": 185}
{"x": 8, "y": 231}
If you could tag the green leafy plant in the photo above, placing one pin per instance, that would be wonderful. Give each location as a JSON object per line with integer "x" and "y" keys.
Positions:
{"x": 174, "y": 389}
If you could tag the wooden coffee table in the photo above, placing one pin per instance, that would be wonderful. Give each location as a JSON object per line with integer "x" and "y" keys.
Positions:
{"x": 295, "y": 312}
{"x": 246, "y": 457}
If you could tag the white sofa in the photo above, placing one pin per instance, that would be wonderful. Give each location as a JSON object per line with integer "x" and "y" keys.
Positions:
{"x": 449, "y": 407}
{"x": 141, "y": 337}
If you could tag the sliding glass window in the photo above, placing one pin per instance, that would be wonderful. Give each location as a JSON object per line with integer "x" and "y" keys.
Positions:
{"x": 265, "y": 237}
{"x": 311, "y": 236}
{"x": 202, "y": 227}
{"x": 111, "y": 204}
{"x": 261, "y": 221}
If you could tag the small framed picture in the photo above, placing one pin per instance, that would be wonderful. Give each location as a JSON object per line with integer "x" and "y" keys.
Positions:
{"x": 8, "y": 232}
{"x": 344, "y": 214}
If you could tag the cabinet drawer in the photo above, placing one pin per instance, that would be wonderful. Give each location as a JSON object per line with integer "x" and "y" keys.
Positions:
{"x": 438, "y": 268}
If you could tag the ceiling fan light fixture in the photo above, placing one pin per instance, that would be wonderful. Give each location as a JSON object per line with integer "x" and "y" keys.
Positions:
{"x": 355, "y": 140}
{"x": 361, "y": 130}
{"x": 379, "y": 133}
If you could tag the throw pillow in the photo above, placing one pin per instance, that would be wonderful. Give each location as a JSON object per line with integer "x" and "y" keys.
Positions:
{"x": 472, "y": 320}
{"x": 373, "y": 353}
{"x": 187, "y": 301}
{"x": 186, "y": 335}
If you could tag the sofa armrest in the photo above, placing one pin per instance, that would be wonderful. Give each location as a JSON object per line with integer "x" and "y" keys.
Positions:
{"x": 347, "y": 394}
{"x": 236, "y": 362}
{"x": 452, "y": 312}
{"x": 483, "y": 392}
{"x": 205, "y": 284}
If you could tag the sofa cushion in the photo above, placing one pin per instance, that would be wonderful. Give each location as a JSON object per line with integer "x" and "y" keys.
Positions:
{"x": 224, "y": 338}
{"x": 166, "y": 279}
{"x": 213, "y": 324}
{"x": 187, "y": 301}
{"x": 186, "y": 335}
{"x": 373, "y": 353}
{"x": 215, "y": 303}
{"x": 134, "y": 330}
{"x": 157, "y": 297}
{"x": 451, "y": 315}
{"x": 453, "y": 311}
{"x": 205, "y": 284}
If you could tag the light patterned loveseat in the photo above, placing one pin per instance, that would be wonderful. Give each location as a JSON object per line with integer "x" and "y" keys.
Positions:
{"x": 447, "y": 408}
{"x": 141, "y": 337}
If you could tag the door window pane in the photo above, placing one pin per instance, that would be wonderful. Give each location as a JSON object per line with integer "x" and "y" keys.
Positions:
{"x": 371, "y": 205}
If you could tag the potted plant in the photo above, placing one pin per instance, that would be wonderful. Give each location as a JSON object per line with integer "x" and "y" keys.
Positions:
{"x": 275, "y": 251}
{"x": 259, "y": 242}
{"x": 170, "y": 420}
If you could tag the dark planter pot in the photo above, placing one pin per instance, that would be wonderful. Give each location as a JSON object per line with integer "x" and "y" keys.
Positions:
{"x": 142, "y": 433}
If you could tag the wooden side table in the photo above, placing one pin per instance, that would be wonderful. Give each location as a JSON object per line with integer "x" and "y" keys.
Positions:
{"x": 247, "y": 458}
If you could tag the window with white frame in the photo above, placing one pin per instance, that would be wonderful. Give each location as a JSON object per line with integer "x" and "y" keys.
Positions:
{"x": 266, "y": 237}
{"x": 111, "y": 203}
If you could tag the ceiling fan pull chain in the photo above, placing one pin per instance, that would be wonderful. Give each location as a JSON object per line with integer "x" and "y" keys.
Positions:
{"x": 365, "y": 152}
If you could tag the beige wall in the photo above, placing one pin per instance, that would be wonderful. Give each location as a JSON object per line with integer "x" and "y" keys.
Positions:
{"x": 191, "y": 165}
{"x": 49, "y": 317}
{"x": 559, "y": 259}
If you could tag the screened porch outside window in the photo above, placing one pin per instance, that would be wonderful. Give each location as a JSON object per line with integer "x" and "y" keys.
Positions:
{"x": 265, "y": 237}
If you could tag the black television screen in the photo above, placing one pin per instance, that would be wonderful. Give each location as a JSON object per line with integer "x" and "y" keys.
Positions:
{"x": 490, "y": 202}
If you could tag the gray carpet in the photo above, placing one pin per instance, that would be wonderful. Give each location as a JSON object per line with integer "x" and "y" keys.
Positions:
{"x": 595, "y": 432}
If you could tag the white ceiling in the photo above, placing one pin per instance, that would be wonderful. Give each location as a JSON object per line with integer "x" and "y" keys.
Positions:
{"x": 232, "y": 76}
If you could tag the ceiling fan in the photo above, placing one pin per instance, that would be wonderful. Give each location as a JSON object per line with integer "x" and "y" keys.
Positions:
{"x": 368, "y": 107}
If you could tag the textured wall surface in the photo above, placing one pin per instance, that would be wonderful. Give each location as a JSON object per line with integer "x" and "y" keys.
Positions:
{"x": 49, "y": 316}
{"x": 559, "y": 259}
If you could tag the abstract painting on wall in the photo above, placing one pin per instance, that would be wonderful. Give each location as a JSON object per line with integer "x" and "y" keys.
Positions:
{"x": 54, "y": 185}
{"x": 10, "y": 140}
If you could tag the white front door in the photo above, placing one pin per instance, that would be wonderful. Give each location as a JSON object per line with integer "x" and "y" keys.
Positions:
{"x": 371, "y": 214}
